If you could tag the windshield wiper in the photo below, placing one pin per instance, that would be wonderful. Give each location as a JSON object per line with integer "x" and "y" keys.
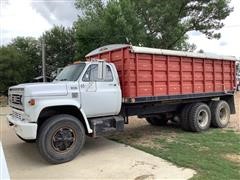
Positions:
{"x": 63, "y": 80}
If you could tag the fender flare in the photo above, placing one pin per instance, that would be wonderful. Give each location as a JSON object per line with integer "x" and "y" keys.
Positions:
{"x": 86, "y": 121}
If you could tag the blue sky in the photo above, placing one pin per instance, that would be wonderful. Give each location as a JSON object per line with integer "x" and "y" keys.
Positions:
{"x": 33, "y": 17}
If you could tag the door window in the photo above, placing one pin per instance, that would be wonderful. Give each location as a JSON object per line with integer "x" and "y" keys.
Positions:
{"x": 91, "y": 74}
{"x": 109, "y": 75}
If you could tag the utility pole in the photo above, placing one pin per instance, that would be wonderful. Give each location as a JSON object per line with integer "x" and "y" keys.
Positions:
{"x": 43, "y": 61}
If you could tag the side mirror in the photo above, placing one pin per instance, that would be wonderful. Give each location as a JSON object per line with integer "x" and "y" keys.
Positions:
{"x": 102, "y": 70}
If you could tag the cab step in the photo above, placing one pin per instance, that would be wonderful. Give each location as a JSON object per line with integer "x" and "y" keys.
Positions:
{"x": 103, "y": 125}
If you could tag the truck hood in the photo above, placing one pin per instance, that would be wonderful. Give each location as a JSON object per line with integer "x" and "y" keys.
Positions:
{"x": 42, "y": 89}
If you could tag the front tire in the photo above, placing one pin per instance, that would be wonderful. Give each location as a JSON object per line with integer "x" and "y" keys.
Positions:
{"x": 220, "y": 111}
{"x": 61, "y": 138}
{"x": 199, "y": 117}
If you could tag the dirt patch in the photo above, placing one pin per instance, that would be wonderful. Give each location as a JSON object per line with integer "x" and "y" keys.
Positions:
{"x": 3, "y": 101}
{"x": 140, "y": 132}
{"x": 233, "y": 157}
{"x": 235, "y": 119}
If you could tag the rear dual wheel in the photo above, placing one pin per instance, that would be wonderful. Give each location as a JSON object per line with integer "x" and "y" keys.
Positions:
{"x": 195, "y": 117}
{"x": 198, "y": 117}
{"x": 184, "y": 120}
{"x": 220, "y": 111}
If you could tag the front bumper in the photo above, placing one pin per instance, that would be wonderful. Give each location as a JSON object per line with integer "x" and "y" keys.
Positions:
{"x": 24, "y": 129}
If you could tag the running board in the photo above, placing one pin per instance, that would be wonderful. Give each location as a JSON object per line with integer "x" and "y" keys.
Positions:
{"x": 103, "y": 125}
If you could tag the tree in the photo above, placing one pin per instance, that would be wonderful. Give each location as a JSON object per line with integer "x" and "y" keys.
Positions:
{"x": 173, "y": 19}
{"x": 12, "y": 68}
{"x": 59, "y": 47}
{"x": 152, "y": 23}
{"x": 30, "y": 49}
{"x": 102, "y": 24}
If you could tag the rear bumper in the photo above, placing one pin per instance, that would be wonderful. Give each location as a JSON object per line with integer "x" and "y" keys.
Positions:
{"x": 24, "y": 129}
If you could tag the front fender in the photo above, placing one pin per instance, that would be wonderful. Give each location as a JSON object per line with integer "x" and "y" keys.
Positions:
{"x": 34, "y": 111}
{"x": 86, "y": 121}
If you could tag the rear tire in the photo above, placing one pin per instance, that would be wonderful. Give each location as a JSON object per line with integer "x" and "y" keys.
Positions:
{"x": 220, "y": 112}
{"x": 157, "y": 121}
{"x": 61, "y": 138}
{"x": 199, "y": 117}
{"x": 184, "y": 121}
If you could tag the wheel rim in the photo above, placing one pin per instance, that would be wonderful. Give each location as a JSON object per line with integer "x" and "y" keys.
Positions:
{"x": 63, "y": 139}
{"x": 223, "y": 116}
{"x": 202, "y": 118}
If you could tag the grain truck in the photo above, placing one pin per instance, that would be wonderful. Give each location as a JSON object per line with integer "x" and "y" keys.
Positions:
{"x": 94, "y": 97}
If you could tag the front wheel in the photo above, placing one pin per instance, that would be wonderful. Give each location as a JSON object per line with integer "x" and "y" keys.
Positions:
{"x": 61, "y": 138}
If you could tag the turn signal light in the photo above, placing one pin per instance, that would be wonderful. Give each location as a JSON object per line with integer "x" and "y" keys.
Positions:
{"x": 31, "y": 102}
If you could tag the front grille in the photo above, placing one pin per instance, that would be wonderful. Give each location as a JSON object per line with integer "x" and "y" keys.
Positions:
{"x": 16, "y": 99}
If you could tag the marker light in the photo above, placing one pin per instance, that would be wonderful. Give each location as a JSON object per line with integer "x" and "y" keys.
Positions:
{"x": 31, "y": 102}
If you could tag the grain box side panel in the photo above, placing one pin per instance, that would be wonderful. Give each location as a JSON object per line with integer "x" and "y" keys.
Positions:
{"x": 174, "y": 79}
{"x": 120, "y": 58}
{"x": 143, "y": 72}
{"x": 160, "y": 75}
{"x": 187, "y": 75}
{"x": 146, "y": 75}
{"x": 198, "y": 75}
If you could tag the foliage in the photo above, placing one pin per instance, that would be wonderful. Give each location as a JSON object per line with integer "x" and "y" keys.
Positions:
{"x": 12, "y": 68}
{"x": 59, "y": 48}
{"x": 114, "y": 22}
{"x": 151, "y": 23}
{"x": 173, "y": 19}
{"x": 29, "y": 48}
{"x": 20, "y": 61}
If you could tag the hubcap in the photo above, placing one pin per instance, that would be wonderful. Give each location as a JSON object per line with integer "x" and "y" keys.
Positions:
{"x": 202, "y": 118}
{"x": 63, "y": 139}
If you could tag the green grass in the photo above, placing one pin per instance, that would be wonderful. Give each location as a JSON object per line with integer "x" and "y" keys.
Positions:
{"x": 205, "y": 152}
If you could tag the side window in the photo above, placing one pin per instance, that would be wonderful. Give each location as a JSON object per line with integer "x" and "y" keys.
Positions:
{"x": 109, "y": 75}
{"x": 91, "y": 74}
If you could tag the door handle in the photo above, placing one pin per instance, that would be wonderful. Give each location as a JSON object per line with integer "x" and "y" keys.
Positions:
{"x": 112, "y": 84}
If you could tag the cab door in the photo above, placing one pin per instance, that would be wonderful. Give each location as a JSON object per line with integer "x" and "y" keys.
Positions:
{"x": 100, "y": 97}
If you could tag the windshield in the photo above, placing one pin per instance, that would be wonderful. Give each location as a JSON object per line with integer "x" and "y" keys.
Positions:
{"x": 71, "y": 72}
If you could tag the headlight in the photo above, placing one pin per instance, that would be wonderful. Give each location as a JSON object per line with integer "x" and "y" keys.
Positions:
{"x": 21, "y": 100}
